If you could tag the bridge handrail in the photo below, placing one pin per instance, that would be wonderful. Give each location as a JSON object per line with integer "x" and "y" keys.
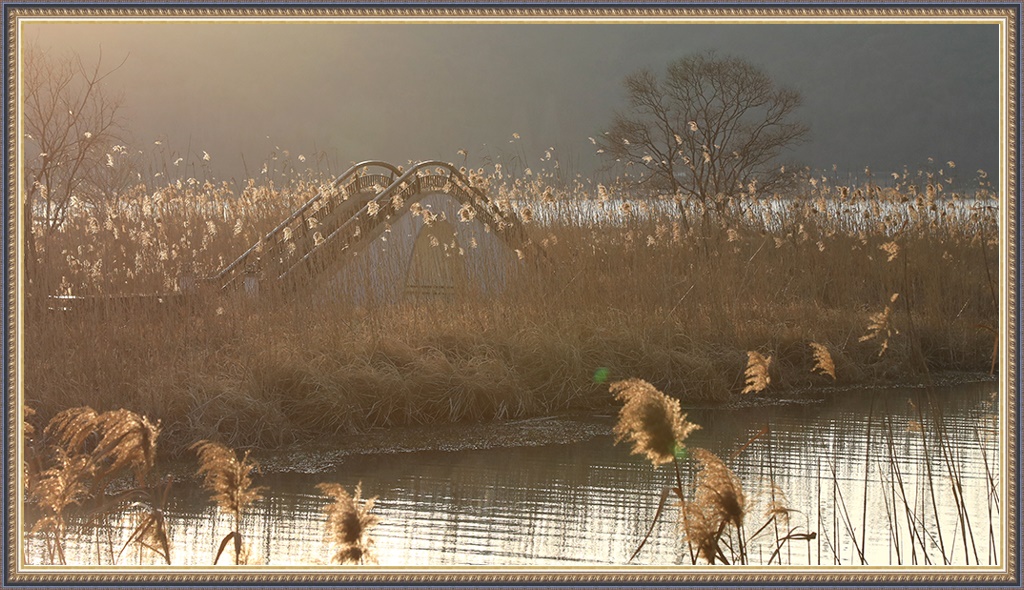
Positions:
{"x": 298, "y": 212}
{"x": 385, "y": 194}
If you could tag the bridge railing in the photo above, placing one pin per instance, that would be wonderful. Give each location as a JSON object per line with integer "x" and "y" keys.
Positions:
{"x": 299, "y": 230}
{"x": 397, "y": 197}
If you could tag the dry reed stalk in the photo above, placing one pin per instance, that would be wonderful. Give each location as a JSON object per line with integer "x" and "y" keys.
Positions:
{"x": 778, "y": 507}
{"x": 152, "y": 530}
{"x": 65, "y": 484}
{"x": 718, "y": 502}
{"x": 656, "y": 426}
{"x": 229, "y": 478}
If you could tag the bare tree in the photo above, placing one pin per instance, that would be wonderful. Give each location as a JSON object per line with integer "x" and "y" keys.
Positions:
{"x": 713, "y": 126}
{"x": 106, "y": 187}
{"x": 71, "y": 124}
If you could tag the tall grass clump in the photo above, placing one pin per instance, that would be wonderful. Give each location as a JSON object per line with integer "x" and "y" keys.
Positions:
{"x": 653, "y": 422}
{"x": 97, "y": 466}
{"x": 63, "y": 485}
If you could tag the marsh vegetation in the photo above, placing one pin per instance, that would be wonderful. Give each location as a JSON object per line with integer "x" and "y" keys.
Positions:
{"x": 809, "y": 287}
{"x": 785, "y": 297}
{"x": 867, "y": 284}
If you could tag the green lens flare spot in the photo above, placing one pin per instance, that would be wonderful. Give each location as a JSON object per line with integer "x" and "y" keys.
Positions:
{"x": 601, "y": 374}
{"x": 681, "y": 453}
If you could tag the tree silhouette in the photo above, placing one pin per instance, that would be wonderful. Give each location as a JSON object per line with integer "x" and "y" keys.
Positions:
{"x": 712, "y": 126}
{"x": 71, "y": 123}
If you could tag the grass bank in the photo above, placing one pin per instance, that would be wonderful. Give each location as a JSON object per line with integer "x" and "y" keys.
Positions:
{"x": 888, "y": 281}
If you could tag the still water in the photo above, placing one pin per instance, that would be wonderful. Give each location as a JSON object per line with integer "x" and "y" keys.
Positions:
{"x": 589, "y": 502}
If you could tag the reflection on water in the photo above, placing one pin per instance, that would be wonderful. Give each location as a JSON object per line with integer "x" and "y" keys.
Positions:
{"x": 591, "y": 502}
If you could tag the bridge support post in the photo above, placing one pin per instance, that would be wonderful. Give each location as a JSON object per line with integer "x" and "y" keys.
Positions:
{"x": 252, "y": 285}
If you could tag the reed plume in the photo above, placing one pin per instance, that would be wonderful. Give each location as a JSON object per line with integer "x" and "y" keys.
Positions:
{"x": 891, "y": 249}
{"x": 651, "y": 420}
{"x": 757, "y": 375}
{"x": 718, "y": 488}
{"x": 823, "y": 360}
{"x": 700, "y": 531}
{"x": 110, "y": 441}
{"x": 64, "y": 484}
{"x": 72, "y": 428}
{"x": 718, "y": 502}
{"x": 348, "y": 524}
{"x": 127, "y": 440}
{"x": 229, "y": 478}
{"x": 880, "y": 326}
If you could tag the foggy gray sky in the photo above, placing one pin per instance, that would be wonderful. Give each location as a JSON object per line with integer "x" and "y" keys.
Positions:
{"x": 874, "y": 95}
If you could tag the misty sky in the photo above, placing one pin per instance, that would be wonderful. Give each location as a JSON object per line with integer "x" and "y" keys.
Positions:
{"x": 882, "y": 96}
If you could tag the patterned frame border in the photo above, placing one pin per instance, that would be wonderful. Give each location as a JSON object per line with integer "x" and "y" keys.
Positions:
{"x": 1010, "y": 574}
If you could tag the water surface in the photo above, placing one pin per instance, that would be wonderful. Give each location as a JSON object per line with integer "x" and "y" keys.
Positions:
{"x": 590, "y": 502}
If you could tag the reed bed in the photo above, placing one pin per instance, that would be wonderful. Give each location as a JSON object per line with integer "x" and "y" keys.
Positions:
{"x": 612, "y": 283}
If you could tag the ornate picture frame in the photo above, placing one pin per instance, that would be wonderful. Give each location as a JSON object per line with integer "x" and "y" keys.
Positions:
{"x": 1003, "y": 16}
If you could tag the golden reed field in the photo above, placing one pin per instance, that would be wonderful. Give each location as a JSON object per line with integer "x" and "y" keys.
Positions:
{"x": 888, "y": 281}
